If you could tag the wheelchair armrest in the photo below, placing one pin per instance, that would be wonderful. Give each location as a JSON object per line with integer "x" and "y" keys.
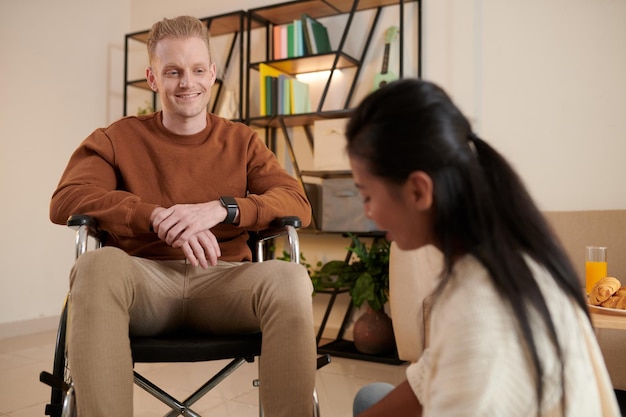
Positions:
{"x": 278, "y": 227}
{"x": 287, "y": 221}
{"x": 281, "y": 226}
{"x": 85, "y": 227}
{"x": 77, "y": 220}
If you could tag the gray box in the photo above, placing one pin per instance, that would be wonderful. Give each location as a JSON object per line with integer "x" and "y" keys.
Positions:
{"x": 338, "y": 207}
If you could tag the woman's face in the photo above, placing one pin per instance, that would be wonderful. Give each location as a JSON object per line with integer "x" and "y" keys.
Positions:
{"x": 403, "y": 211}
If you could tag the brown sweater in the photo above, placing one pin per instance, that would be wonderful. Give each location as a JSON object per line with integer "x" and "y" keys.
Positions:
{"x": 121, "y": 173}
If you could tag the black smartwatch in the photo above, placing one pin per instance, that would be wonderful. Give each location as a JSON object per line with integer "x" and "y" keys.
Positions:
{"x": 231, "y": 206}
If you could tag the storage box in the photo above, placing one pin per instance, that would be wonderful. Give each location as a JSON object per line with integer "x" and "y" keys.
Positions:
{"x": 330, "y": 145}
{"x": 337, "y": 206}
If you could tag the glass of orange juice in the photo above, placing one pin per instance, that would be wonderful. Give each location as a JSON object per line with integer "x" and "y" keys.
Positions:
{"x": 595, "y": 265}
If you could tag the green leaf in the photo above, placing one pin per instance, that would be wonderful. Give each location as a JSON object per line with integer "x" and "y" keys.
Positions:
{"x": 363, "y": 290}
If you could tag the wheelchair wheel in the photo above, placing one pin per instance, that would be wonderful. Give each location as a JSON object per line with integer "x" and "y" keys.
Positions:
{"x": 62, "y": 398}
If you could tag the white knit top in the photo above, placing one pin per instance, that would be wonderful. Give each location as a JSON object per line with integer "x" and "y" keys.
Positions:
{"x": 476, "y": 363}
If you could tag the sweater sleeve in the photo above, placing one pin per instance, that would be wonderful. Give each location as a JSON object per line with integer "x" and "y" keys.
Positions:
{"x": 272, "y": 191}
{"x": 88, "y": 186}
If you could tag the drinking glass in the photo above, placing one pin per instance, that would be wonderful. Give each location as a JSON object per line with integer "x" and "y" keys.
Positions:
{"x": 595, "y": 265}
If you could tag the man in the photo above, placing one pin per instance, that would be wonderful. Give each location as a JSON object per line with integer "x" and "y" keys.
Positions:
{"x": 175, "y": 192}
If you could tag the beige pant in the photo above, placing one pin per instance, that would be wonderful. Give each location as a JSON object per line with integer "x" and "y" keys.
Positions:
{"x": 112, "y": 292}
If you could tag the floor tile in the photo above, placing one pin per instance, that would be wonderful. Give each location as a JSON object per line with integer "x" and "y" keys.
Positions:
{"x": 22, "y": 395}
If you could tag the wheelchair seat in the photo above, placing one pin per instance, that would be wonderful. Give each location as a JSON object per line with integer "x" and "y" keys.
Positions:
{"x": 240, "y": 348}
{"x": 171, "y": 348}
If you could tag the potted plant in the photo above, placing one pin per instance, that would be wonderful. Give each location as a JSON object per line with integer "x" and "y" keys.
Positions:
{"x": 367, "y": 280}
{"x": 367, "y": 277}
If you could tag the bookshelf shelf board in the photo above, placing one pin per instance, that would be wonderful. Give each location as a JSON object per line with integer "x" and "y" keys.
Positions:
{"x": 327, "y": 174}
{"x": 346, "y": 349}
{"x": 346, "y": 5}
{"x": 287, "y": 12}
{"x": 290, "y": 120}
{"x": 227, "y": 24}
{"x": 310, "y": 63}
{"x": 218, "y": 25}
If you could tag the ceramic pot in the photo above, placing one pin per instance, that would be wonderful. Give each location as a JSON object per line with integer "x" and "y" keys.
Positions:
{"x": 373, "y": 333}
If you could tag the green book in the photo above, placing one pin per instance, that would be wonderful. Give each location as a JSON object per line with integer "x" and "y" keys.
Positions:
{"x": 291, "y": 41}
{"x": 316, "y": 36}
{"x": 271, "y": 95}
{"x": 322, "y": 41}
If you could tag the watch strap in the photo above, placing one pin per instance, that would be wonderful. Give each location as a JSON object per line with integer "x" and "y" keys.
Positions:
{"x": 231, "y": 207}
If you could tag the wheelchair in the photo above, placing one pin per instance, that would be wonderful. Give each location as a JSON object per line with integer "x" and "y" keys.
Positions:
{"x": 168, "y": 349}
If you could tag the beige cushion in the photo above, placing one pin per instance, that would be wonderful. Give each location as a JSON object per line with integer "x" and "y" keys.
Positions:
{"x": 413, "y": 275}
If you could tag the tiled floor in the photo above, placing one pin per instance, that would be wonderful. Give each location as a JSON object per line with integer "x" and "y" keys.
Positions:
{"x": 22, "y": 395}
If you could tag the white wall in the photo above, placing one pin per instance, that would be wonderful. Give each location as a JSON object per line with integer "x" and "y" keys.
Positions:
{"x": 543, "y": 81}
{"x": 61, "y": 77}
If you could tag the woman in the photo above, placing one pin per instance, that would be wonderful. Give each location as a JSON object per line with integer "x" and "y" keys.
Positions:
{"x": 509, "y": 330}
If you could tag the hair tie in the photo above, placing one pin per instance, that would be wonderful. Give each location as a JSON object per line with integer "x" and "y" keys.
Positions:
{"x": 472, "y": 139}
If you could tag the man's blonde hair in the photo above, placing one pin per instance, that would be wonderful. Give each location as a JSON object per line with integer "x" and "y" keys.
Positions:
{"x": 178, "y": 27}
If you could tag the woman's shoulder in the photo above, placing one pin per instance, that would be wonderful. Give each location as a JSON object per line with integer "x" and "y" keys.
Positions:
{"x": 469, "y": 283}
{"x": 469, "y": 297}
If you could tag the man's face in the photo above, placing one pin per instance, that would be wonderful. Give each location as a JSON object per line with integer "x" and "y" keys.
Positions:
{"x": 182, "y": 73}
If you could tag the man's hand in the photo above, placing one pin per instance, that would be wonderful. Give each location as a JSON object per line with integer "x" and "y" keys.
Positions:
{"x": 202, "y": 249}
{"x": 187, "y": 226}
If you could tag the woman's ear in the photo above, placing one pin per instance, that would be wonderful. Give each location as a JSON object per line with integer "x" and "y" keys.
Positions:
{"x": 420, "y": 189}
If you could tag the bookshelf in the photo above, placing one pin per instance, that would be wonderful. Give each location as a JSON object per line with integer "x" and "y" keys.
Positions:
{"x": 339, "y": 58}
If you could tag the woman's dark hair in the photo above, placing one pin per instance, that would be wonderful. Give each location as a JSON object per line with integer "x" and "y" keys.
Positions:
{"x": 480, "y": 205}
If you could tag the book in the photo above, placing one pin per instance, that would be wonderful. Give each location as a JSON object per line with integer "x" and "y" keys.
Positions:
{"x": 291, "y": 41}
{"x": 277, "y": 42}
{"x": 284, "y": 94}
{"x": 322, "y": 40}
{"x": 298, "y": 38}
{"x": 300, "y": 98}
{"x": 270, "y": 95}
{"x": 265, "y": 87}
{"x": 279, "y": 95}
{"x": 309, "y": 35}
{"x": 283, "y": 43}
{"x": 318, "y": 35}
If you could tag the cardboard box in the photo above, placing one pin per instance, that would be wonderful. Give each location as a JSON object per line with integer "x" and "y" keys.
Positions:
{"x": 337, "y": 206}
{"x": 330, "y": 145}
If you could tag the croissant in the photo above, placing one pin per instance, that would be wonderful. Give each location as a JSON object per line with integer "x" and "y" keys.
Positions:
{"x": 621, "y": 292}
{"x": 618, "y": 302}
{"x": 603, "y": 289}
